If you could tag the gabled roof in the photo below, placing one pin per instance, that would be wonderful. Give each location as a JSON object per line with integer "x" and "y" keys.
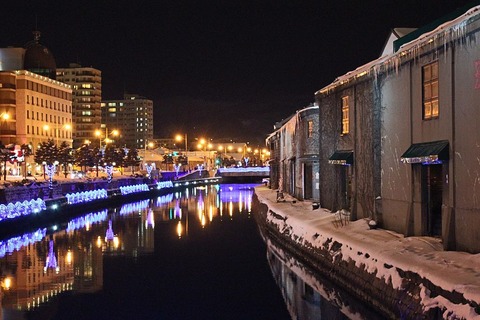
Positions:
{"x": 433, "y": 25}
{"x": 395, "y": 34}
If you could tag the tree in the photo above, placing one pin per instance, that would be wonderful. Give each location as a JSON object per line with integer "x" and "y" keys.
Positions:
{"x": 46, "y": 154}
{"x": 132, "y": 159}
{"x": 26, "y": 152}
{"x": 84, "y": 156}
{"x": 5, "y": 155}
{"x": 65, "y": 156}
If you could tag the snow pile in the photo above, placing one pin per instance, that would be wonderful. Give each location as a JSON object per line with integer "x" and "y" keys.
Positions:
{"x": 381, "y": 252}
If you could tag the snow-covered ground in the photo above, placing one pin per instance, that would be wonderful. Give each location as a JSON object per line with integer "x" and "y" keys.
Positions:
{"x": 374, "y": 249}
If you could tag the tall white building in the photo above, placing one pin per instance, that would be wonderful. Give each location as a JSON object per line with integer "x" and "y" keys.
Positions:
{"x": 86, "y": 83}
{"x": 132, "y": 117}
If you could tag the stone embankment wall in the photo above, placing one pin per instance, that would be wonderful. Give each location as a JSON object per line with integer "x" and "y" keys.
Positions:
{"x": 393, "y": 303}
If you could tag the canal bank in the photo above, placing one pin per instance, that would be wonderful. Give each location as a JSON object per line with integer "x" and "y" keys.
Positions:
{"x": 401, "y": 277}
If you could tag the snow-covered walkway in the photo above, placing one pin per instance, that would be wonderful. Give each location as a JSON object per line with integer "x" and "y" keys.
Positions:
{"x": 374, "y": 249}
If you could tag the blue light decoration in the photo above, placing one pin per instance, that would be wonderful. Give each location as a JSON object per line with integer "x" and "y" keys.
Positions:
{"x": 149, "y": 170}
{"x": 134, "y": 189}
{"x": 150, "y": 221}
{"x": 177, "y": 168}
{"x": 200, "y": 168}
{"x": 109, "y": 235}
{"x": 16, "y": 243}
{"x": 50, "y": 170}
{"x": 134, "y": 207}
{"x": 109, "y": 171}
{"x": 17, "y": 209}
{"x": 87, "y": 220}
{"x": 164, "y": 184}
{"x": 86, "y": 196}
{"x": 164, "y": 199}
{"x": 51, "y": 261}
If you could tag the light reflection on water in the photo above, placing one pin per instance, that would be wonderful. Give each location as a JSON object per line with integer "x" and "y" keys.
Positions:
{"x": 39, "y": 266}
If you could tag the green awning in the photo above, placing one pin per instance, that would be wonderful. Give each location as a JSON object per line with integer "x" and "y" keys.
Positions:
{"x": 426, "y": 152}
{"x": 343, "y": 157}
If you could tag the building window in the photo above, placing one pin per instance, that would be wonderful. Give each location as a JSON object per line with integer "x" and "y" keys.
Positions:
{"x": 430, "y": 91}
{"x": 310, "y": 128}
{"x": 345, "y": 116}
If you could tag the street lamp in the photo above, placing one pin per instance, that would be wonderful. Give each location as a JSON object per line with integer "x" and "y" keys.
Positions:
{"x": 179, "y": 138}
{"x": 65, "y": 126}
{"x": 98, "y": 133}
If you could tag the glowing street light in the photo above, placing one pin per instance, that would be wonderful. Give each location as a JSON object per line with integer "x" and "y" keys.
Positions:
{"x": 65, "y": 126}
{"x": 179, "y": 138}
{"x": 107, "y": 140}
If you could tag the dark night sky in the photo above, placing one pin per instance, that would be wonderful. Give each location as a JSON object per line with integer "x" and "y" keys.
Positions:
{"x": 218, "y": 69}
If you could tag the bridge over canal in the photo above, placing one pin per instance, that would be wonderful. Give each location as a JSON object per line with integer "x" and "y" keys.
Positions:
{"x": 243, "y": 174}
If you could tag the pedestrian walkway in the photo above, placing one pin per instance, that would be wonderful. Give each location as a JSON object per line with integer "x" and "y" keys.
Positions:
{"x": 378, "y": 250}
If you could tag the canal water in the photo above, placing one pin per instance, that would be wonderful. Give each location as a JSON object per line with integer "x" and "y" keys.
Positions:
{"x": 196, "y": 254}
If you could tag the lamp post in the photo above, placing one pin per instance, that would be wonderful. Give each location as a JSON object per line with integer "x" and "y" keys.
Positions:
{"x": 179, "y": 138}
{"x": 65, "y": 126}
{"x": 107, "y": 140}
{"x": 147, "y": 146}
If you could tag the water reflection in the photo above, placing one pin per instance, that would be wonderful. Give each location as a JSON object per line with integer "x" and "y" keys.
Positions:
{"x": 38, "y": 266}
{"x": 307, "y": 295}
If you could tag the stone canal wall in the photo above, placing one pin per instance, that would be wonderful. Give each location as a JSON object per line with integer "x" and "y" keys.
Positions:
{"x": 406, "y": 301}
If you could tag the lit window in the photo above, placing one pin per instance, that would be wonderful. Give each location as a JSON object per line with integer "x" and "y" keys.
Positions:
{"x": 430, "y": 91}
{"x": 310, "y": 128}
{"x": 345, "y": 116}
{"x": 112, "y": 109}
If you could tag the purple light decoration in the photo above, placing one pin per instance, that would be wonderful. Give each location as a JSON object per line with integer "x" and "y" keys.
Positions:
{"x": 149, "y": 169}
{"x": 88, "y": 219}
{"x": 134, "y": 207}
{"x": 16, "y": 243}
{"x": 134, "y": 189}
{"x": 86, "y": 196}
{"x": 109, "y": 170}
{"x": 178, "y": 210}
{"x": 13, "y": 210}
{"x": 177, "y": 168}
{"x": 200, "y": 168}
{"x": 249, "y": 169}
{"x": 164, "y": 199}
{"x": 50, "y": 171}
{"x": 109, "y": 234}
{"x": 150, "y": 222}
{"x": 51, "y": 259}
{"x": 164, "y": 184}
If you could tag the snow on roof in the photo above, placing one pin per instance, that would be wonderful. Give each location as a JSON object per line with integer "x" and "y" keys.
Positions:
{"x": 450, "y": 270}
{"x": 450, "y": 30}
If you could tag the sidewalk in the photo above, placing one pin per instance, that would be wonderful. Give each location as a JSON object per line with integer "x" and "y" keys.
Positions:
{"x": 375, "y": 249}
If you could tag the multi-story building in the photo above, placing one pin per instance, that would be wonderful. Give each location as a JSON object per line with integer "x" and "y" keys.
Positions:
{"x": 34, "y": 107}
{"x": 86, "y": 83}
{"x": 132, "y": 117}
{"x": 399, "y": 136}
{"x": 294, "y": 162}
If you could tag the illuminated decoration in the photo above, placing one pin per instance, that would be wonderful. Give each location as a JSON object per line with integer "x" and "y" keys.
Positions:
{"x": 16, "y": 243}
{"x": 149, "y": 168}
{"x": 86, "y": 196}
{"x": 87, "y": 220}
{"x": 50, "y": 170}
{"x": 51, "y": 262}
{"x": 109, "y": 171}
{"x": 17, "y": 209}
{"x": 109, "y": 234}
{"x": 150, "y": 221}
{"x": 134, "y": 189}
{"x": 164, "y": 199}
{"x": 164, "y": 184}
{"x": 200, "y": 168}
{"x": 177, "y": 168}
{"x": 134, "y": 207}
{"x": 178, "y": 210}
